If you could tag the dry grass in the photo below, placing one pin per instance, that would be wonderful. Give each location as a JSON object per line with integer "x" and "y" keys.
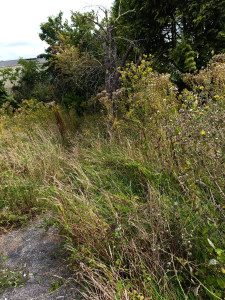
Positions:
{"x": 143, "y": 212}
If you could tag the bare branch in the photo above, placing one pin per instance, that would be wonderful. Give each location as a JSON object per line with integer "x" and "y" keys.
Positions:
{"x": 96, "y": 23}
{"x": 125, "y": 13}
{"x": 124, "y": 59}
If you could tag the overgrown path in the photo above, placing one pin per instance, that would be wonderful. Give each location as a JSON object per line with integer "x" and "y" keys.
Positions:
{"x": 31, "y": 262}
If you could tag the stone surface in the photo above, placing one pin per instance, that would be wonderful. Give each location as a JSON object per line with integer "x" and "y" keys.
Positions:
{"x": 37, "y": 253}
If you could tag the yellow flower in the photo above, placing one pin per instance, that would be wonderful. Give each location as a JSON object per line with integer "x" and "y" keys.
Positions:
{"x": 216, "y": 96}
{"x": 206, "y": 107}
{"x": 201, "y": 87}
{"x": 202, "y": 132}
{"x": 201, "y": 113}
{"x": 86, "y": 132}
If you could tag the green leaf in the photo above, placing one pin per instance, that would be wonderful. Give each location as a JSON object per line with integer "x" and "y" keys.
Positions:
{"x": 219, "y": 251}
{"x": 180, "y": 278}
{"x": 221, "y": 283}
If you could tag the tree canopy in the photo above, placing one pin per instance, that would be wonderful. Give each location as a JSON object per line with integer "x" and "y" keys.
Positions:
{"x": 185, "y": 34}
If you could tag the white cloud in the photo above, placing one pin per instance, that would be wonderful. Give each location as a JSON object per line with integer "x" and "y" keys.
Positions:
{"x": 20, "y": 23}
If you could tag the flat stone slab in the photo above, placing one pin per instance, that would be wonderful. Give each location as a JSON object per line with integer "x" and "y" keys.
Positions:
{"x": 37, "y": 254}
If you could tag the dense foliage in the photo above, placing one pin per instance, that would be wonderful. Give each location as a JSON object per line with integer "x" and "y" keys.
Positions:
{"x": 74, "y": 57}
{"x": 84, "y": 52}
{"x": 184, "y": 33}
{"x": 130, "y": 164}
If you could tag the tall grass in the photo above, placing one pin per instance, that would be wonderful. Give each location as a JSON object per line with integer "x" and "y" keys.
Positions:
{"x": 138, "y": 230}
{"x": 31, "y": 155}
{"x": 142, "y": 212}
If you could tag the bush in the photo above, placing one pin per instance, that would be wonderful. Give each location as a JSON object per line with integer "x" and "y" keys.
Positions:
{"x": 209, "y": 84}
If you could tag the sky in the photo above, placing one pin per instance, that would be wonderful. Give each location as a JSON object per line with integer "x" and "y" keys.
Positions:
{"x": 20, "y": 23}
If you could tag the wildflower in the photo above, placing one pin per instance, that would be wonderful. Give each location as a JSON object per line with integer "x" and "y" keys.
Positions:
{"x": 86, "y": 132}
{"x": 206, "y": 107}
{"x": 201, "y": 87}
{"x": 119, "y": 228}
{"x": 216, "y": 96}
{"x": 213, "y": 262}
{"x": 201, "y": 113}
{"x": 202, "y": 132}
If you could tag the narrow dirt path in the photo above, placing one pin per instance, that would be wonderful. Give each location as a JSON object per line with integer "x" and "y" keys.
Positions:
{"x": 35, "y": 254}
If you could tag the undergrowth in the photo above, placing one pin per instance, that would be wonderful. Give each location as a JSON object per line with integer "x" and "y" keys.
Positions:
{"x": 143, "y": 212}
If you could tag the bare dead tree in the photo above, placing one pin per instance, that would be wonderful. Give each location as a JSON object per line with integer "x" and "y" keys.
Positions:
{"x": 106, "y": 32}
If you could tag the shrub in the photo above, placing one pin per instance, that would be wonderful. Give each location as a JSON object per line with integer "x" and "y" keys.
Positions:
{"x": 209, "y": 84}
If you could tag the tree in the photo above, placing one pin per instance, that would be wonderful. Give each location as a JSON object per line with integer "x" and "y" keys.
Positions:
{"x": 50, "y": 33}
{"x": 149, "y": 25}
{"x": 168, "y": 29}
{"x": 74, "y": 56}
{"x": 79, "y": 31}
{"x": 203, "y": 24}
{"x": 79, "y": 72}
{"x": 6, "y": 74}
{"x": 81, "y": 51}
{"x": 3, "y": 93}
{"x": 30, "y": 75}
{"x": 105, "y": 31}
